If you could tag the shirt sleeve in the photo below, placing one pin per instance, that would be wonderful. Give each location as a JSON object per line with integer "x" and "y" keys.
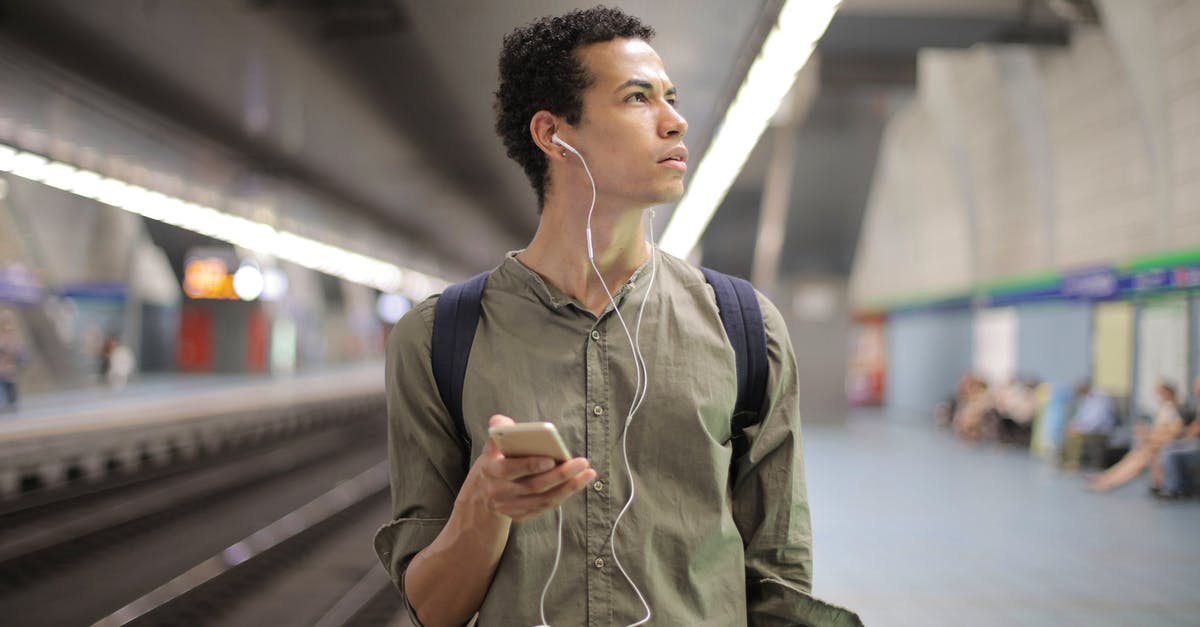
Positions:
{"x": 770, "y": 502}
{"x": 427, "y": 461}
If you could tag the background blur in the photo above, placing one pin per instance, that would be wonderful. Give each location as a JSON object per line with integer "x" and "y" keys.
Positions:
{"x": 212, "y": 212}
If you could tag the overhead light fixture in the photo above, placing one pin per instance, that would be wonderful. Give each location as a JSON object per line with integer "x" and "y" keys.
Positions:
{"x": 785, "y": 52}
{"x": 256, "y": 236}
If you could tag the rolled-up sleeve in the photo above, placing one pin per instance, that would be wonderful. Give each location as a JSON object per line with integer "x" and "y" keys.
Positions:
{"x": 427, "y": 465}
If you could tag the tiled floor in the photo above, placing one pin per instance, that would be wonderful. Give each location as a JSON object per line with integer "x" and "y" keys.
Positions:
{"x": 913, "y": 527}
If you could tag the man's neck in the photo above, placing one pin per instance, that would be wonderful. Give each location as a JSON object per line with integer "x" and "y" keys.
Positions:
{"x": 559, "y": 254}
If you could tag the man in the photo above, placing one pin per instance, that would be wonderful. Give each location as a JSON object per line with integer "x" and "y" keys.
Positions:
{"x": 708, "y": 540}
{"x": 1087, "y": 433}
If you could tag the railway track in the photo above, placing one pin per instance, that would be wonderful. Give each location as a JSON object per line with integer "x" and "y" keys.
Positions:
{"x": 292, "y": 525}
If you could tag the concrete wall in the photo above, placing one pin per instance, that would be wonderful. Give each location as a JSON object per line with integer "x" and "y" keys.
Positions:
{"x": 1054, "y": 342}
{"x": 1014, "y": 160}
{"x": 926, "y": 356}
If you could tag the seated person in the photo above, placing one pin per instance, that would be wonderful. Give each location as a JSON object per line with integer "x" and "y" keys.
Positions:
{"x": 946, "y": 410}
{"x": 1180, "y": 460}
{"x": 1087, "y": 433}
{"x": 1150, "y": 440}
{"x": 973, "y": 410}
{"x": 1017, "y": 406}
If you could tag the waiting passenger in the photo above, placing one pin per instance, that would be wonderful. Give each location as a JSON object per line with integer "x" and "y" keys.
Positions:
{"x": 1016, "y": 407}
{"x": 1088, "y": 432}
{"x": 944, "y": 414}
{"x": 1149, "y": 442}
{"x": 1180, "y": 460}
{"x": 973, "y": 410}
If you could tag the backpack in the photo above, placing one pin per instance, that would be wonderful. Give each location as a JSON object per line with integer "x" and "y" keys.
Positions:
{"x": 456, "y": 316}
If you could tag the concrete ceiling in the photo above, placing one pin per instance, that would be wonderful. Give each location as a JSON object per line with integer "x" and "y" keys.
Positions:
{"x": 394, "y": 99}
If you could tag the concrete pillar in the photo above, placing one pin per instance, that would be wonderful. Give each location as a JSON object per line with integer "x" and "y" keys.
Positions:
{"x": 1022, "y": 86}
{"x": 1132, "y": 28}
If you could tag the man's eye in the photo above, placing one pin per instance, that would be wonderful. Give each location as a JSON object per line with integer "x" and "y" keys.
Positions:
{"x": 637, "y": 96}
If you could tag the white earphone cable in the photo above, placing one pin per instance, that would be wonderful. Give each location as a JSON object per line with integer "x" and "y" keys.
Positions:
{"x": 641, "y": 386}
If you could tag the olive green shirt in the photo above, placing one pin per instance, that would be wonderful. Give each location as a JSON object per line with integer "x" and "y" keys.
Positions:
{"x": 699, "y": 544}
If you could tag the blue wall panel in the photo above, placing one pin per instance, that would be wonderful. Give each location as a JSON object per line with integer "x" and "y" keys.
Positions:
{"x": 1054, "y": 342}
{"x": 927, "y": 353}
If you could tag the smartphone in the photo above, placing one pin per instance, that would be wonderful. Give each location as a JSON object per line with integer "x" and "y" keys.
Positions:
{"x": 529, "y": 439}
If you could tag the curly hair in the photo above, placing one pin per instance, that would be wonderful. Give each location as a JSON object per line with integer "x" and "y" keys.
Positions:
{"x": 539, "y": 69}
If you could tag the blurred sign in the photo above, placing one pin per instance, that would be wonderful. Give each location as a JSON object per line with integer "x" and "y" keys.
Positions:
{"x": 1090, "y": 284}
{"x": 208, "y": 278}
{"x": 1187, "y": 276}
{"x": 19, "y": 286}
{"x": 1152, "y": 279}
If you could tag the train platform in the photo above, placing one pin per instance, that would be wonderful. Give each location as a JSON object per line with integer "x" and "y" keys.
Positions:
{"x": 95, "y": 404}
{"x": 913, "y": 527}
{"x": 91, "y": 433}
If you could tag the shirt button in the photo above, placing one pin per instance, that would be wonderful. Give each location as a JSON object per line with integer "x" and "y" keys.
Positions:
{"x": 599, "y": 563}
{"x": 598, "y": 486}
{"x": 596, "y": 335}
{"x": 597, "y": 410}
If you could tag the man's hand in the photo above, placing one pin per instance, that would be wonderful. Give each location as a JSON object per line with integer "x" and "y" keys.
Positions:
{"x": 523, "y": 487}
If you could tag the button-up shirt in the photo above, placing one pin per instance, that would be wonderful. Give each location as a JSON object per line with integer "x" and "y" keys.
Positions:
{"x": 708, "y": 540}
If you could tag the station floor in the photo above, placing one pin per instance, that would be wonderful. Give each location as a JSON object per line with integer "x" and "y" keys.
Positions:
{"x": 913, "y": 527}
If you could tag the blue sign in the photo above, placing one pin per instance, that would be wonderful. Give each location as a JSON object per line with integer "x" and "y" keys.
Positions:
{"x": 1098, "y": 283}
{"x": 1152, "y": 279}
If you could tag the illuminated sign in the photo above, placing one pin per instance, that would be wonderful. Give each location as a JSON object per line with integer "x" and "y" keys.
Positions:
{"x": 208, "y": 278}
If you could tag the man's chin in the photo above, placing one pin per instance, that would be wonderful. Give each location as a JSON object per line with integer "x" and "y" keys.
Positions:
{"x": 671, "y": 195}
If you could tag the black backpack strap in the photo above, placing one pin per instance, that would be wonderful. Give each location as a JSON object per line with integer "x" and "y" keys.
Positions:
{"x": 455, "y": 317}
{"x": 743, "y": 321}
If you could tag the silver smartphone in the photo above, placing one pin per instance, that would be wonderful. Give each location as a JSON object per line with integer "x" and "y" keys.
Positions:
{"x": 530, "y": 439}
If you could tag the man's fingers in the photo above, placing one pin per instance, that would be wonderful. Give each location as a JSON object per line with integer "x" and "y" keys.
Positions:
{"x": 500, "y": 420}
{"x": 514, "y": 468}
{"x": 546, "y": 481}
{"x": 523, "y": 507}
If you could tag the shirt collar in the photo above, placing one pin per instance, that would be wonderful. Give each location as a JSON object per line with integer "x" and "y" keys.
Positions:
{"x": 516, "y": 274}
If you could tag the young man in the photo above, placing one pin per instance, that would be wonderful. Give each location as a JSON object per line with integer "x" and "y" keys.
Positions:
{"x": 709, "y": 539}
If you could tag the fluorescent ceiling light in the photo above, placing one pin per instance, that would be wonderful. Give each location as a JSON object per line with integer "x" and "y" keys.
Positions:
{"x": 785, "y": 52}
{"x": 256, "y": 236}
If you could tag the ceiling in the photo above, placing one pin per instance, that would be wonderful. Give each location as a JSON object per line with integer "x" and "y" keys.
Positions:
{"x": 385, "y": 105}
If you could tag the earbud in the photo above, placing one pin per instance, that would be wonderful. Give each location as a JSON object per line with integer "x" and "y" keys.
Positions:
{"x": 558, "y": 140}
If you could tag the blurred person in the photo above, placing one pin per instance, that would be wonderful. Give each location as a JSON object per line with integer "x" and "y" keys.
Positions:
{"x": 116, "y": 363}
{"x": 585, "y": 106}
{"x": 1149, "y": 441}
{"x": 943, "y": 415}
{"x": 1088, "y": 432}
{"x": 1180, "y": 460}
{"x": 973, "y": 410}
{"x": 13, "y": 357}
{"x": 1016, "y": 407}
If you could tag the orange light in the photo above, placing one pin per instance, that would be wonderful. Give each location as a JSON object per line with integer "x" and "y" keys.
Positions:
{"x": 208, "y": 278}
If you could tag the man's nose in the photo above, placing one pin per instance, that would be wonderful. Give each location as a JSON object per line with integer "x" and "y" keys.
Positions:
{"x": 673, "y": 124}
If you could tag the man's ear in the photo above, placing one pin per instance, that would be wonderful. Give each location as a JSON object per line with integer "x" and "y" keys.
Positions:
{"x": 542, "y": 128}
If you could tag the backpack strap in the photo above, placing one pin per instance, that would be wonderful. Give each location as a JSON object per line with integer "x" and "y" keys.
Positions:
{"x": 455, "y": 317}
{"x": 740, "y": 314}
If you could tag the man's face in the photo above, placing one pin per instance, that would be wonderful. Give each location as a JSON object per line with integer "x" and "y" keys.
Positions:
{"x": 630, "y": 133}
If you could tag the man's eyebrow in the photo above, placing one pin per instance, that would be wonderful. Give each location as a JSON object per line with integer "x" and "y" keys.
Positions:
{"x": 647, "y": 85}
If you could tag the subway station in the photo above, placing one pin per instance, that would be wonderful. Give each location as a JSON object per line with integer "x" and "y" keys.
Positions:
{"x": 532, "y": 312}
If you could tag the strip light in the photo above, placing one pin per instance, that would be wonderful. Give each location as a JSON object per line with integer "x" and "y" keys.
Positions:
{"x": 256, "y": 236}
{"x": 787, "y": 49}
